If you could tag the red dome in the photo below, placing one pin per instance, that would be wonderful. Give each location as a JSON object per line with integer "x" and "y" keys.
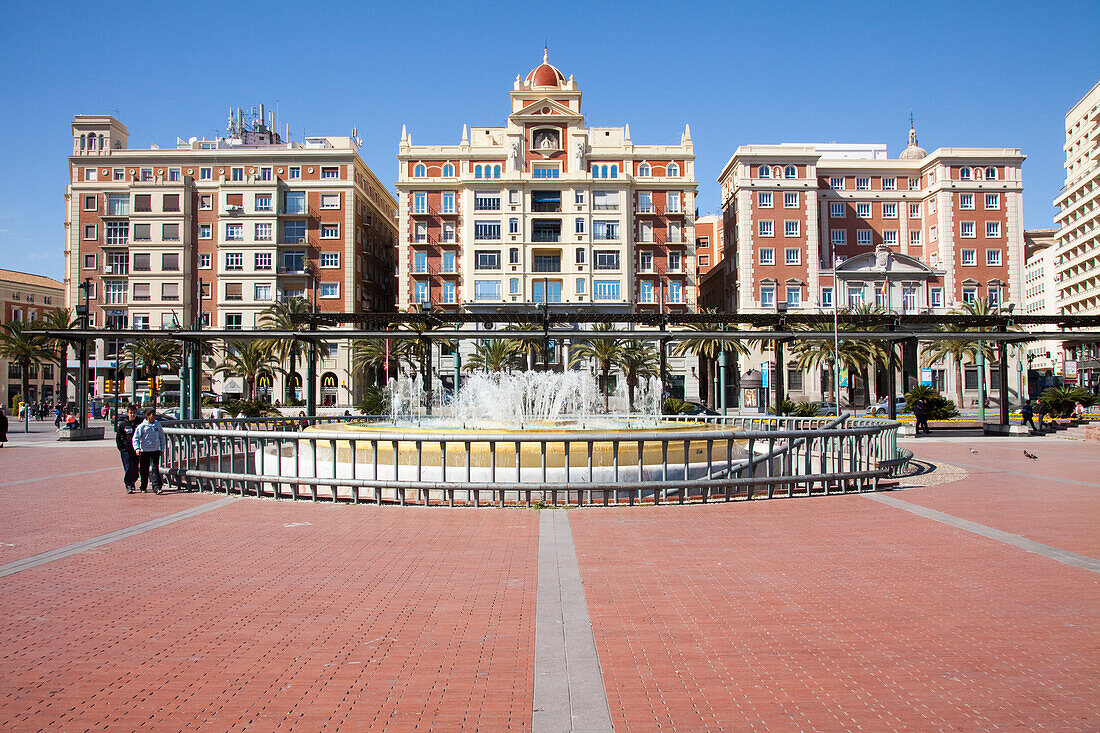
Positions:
{"x": 545, "y": 75}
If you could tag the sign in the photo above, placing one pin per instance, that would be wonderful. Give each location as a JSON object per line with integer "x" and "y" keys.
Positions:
{"x": 766, "y": 376}
{"x": 844, "y": 376}
{"x": 233, "y": 385}
{"x": 1071, "y": 370}
{"x": 926, "y": 377}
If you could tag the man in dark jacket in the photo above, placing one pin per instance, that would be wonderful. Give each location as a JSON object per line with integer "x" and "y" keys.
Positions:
{"x": 124, "y": 441}
{"x": 920, "y": 411}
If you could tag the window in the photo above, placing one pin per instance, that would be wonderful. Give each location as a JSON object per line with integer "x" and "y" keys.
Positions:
{"x": 863, "y": 237}
{"x": 966, "y": 229}
{"x": 330, "y": 231}
{"x": 578, "y": 225}
{"x": 966, "y": 201}
{"x": 863, "y": 211}
{"x": 91, "y": 202}
{"x": 767, "y": 296}
{"x": 146, "y": 174}
{"x": 513, "y": 226}
{"x": 645, "y": 231}
{"x": 206, "y": 202}
{"x": 931, "y": 206}
{"x": 204, "y": 261}
{"x": 233, "y": 321}
{"x": 935, "y": 297}
{"x": 838, "y": 237}
{"x": 890, "y": 237}
{"x": 141, "y": 321}
{"x": 170, "y": 261}
{"x": 914, "y": 211}
{"x": 90, "y": 174}
{"x": 970, "y": 294}
{"x": 605, "y": 259}
{"x": 206, "y": 174}
{"x": 969, "y": 256}
{"x": 205, "y": 231}
{"x": 486, "y": 289}
{"x": 932, "y": 233}
{"x": 420, "y": 203}
{"x": 605, "y": 230}
{"x": 330, "y": 259}
{"x": 237, "y": 174}
{"x": 673, "y": 171}
{"x": 889, "y": 184}
{"x": 766, "y": 228}
{"x": 114, "y": 292}
{"x": 993, "y": 229}
{"x": 234, "y": 232}
{"x": 545, "y": 263}
{"x": 675, "y": 292}
{"x": 118, "y": 204}
{"x": 170, "y": 232}
{"x": 234, "y": 291}
{"x": 993, "y": 295}
{"x": 863, "y": 184}
{"x": 765, "y": 171}
{"x": 265, "y": 174}
{"x": 790, "y": 172}
{"x": 792, "y": 256}
{"x": 644, "y": 170}
{"x": 263, "y": 202}
{"x": 672, "y": 200}
{"x": 826, "y": 297}
{"x": 890, "y": 211}
{"x": 605, "y": 290}
{"x": 836, "y": 210}
{"x": 261, "y": 261}
{"x": 855, "y": 295}
{"x": 294, "y": 232}
{"x": 448, "y": 232}
{"x": 294, "y": 172}
{"x": 513, "y": 256}
{"x": 487, "y": 260}
{"x": 170, "y": 202}
{"x": 791, "y": 229}
{"x": 262, "y": 231}
{"x": 420, "y": 262}
{"x": 790, "y": 201}
{"x": 330, "y": 172}
{"x": 990, "y": 174}
{"x": 580, "y": 255}
{"x": 794, "y": 379}
{"x": 964, "y": 174}
{"x": 645, "y": 291}
{"x": 908, "y": 298}
{"x": 294, "y": 261}
{"x": 169, "y": 291}
{"x": 767, "y": 256}
{"x": 143, "y": 202}
{"x": 142, "y": 292}
{"x": 993, "y": 257}
{"x": 914, "y": 239}
{"x": 605, "y": 200}
{"x": 486, "y": 201}
{"x": 448, "y": 206}
{"x": 294, "y": 202}
{"x": 261, "y": 292}
{"x": 330, "y": 290}
{"x": 763, "y": 199}
{"x": 674, "y": 260}
{"x": 992, "y": 201}
{"x": 794, "y": 296}
{"x": 513, "y": 286}
{"x": 448, "y": 261}
{"x": 580, "y": 286}
{"x": 836, "y": 182}
{"x": 645, "y": 202}
{"x": 118, "y": 232}
{"x": 89, "y": 231}
{"x": 540, "y": 171}
{"x": 448, "y": 292}
{"x": 234, "y": 261}
{"x": 485, "y": 230}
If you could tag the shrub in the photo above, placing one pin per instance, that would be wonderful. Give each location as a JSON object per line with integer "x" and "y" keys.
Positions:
{"x": 1060, "y": 401}
{"x": 675, "y": 406}
{"x": 939, "y": 407}
{"x": 798, "y": 409}
{"x": 250, "y": 408}
{"x": 376, "y": 401}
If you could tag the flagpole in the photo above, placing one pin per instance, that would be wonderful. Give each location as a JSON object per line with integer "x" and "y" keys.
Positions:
{"x": 836, "y": 338}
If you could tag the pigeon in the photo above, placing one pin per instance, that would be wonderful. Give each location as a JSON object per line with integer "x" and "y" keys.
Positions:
{"x": 1032, "y": 456}
{"x": 973, "y": 451}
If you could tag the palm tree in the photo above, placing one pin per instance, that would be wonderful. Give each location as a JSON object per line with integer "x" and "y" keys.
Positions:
{"x": 855, "y": 353}
{"x": 20, "y": 344}
{"x": 529, "y": 346}
{"x": 150, "y": 355}
{"x": 372, "y": 354}
{"x": 606, "y": 352}
{"x": 279, "y": 317}
{"x": 706, "y": 350}
{"x": 60, "y": 319}
{"x": 959, "y": 349}
{"x": 639, "y": 360}
{"x": 249, "y": 360}
{"x": 496, "y": 355}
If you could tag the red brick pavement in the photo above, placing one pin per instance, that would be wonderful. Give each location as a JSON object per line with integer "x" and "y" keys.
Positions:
{"x": 1013, "y": 493}
{"x": 833, "y": 613}
{"x": 279, "y": 616}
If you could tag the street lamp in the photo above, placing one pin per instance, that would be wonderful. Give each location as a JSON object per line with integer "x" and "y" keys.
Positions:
{"x": 82, "y": 372}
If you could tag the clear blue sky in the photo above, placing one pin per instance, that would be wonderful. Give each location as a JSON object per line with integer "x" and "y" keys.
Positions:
{"x": 998, "y": 74}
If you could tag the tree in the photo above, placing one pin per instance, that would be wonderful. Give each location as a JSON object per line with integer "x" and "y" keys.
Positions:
{"x": 606, "y": 352}
{"x": 707, "y": 350}
{"x": 249, "y": 360}
{"x": 961, "y": 348}
{"x": 20, "y": 344}
{"x": 496, "y": 355}
{"x": 372, "y": 354}
{"x": 279, "y": 316}
{"x": 60, "y": 319}
{"x": 854, "y": 353}
{"x": 529, "y": 346}
{"x": 638, "y": 360}
{"x": 150, "y": 355}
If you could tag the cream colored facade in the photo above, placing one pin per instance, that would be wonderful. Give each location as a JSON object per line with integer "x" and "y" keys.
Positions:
{"x": 1041, "y": 294}
{"x": 27, "y": 298}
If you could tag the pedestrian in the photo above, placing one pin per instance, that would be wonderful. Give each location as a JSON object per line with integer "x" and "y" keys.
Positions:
{"x": 1079, "y": 411}
{"x": 57, "y": 416}
{"x": 124, "y": 441}
{"x": 1040, "y": 412}
{"x": 303, "y": 422}
{"x": 3, "y": 427}
{"x": 920, "y": 411}
{"x": 1027, "y": 413}
{"x": 149, "y": 444}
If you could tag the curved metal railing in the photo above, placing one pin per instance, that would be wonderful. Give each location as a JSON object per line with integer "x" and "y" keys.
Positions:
{"x": 734, "y": 457}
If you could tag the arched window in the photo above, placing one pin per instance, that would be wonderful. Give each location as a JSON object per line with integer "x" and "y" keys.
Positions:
{"x": 603, "y": 171}
{"x": 614, "y": 171}
{"x": 477, "y": 171}
{"x": 673, "y": 170}
{"x": 644, "y": 170}
{"x": 765, "y": 172}
{"x": 82, "y": 142}
{"x": 964, "y": 174}
{"x": 790, "y": 172}
{"x": 496, "y": 171}
{"x": 420, "y": 171}
{"x": 595, "y": 171}
{"x": 990, "y": 174}
{"x": 101, "y": 142}
{"x": 448, "y": 171}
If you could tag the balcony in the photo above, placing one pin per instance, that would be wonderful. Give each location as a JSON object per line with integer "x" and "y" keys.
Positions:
{"x": 120, "y": 268}
{"x": 424, "y": 211}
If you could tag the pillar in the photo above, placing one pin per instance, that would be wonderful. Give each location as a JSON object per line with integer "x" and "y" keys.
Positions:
{"x": 185, "y": 380}
{"x": 195, "y": 374}
{"x": 892, "y": 381}
{"x": 779, "y": 371}
{"x": 722, "y": 380}
{"x": 311, "y": 379}
{"x": 980, "y": 363}
{"x": 1002, "y": 372}
{"x": 456, "y": 361}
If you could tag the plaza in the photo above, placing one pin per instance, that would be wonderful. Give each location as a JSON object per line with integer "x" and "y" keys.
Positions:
{"x": 965, "y": 598}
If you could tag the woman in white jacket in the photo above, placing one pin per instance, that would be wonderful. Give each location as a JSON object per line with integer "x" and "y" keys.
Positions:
{"x": 149, "y": 444}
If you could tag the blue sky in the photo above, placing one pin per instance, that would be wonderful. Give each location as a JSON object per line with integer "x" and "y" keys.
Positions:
{"x": 997, "y": 74}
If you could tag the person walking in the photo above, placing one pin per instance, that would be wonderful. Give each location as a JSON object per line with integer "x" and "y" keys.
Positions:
{"x": 125, "y": 426}
{"x": 149, "y": 444}
{"x": 1040, "y": 412}
{"x": 1027, "y": 413}
{"x": 1079, "y": 411}
{"x": 3, "y": 427}
{"x": 920, "y": 411}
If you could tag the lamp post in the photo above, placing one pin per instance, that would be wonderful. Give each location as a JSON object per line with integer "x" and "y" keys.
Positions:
{"x": 82, "y": 373}
{"x": 836, "y": 340}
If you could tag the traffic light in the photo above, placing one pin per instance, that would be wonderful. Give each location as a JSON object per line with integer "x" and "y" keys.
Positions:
{"x": 108, "y": 386}
{"x": 160, "y": 383}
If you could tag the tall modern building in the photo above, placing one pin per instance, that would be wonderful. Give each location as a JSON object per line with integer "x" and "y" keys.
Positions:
{"x": 1077, "y": 246}
{"x": 547, "y": 209}
{"x": 213, "y": 231}
{"x": 27, "y": 298}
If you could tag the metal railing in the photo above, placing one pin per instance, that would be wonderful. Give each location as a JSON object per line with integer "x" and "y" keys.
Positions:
{"x": 728, "y": 458}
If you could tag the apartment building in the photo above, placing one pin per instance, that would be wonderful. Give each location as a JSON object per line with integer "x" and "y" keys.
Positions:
{"x": 545, "y": 209}
{"x": 27, "y": 298}
{"x": 810, "y": 226}
{"x": 1077, "y": 245}
{"x": 708, "y": 243}
{"x": 212, "y": 232}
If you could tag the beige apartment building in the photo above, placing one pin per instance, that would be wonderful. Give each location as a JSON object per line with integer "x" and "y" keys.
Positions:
{"x": 1077, "y": 245}
{"x": 27, "y": 298}
{"x": 211, "y": 232}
